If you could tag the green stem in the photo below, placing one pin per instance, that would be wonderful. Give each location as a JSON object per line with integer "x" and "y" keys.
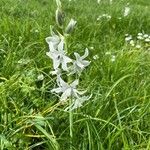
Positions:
{"x": 70, "y": 123}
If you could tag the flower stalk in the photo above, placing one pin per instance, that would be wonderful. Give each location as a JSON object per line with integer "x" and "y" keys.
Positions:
{"x": 66, "y": 67}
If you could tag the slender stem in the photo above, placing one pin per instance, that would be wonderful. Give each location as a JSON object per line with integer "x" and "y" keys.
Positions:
{"x": 70, "y": 123}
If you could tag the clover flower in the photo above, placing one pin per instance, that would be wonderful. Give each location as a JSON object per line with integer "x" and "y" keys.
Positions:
{"x": 79, "y": 64}
{"x": 58, "y": 56}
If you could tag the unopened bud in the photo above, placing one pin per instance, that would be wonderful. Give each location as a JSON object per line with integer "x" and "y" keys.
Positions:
{"x": 59, "y": 17}
{"x": 70, "y": 26}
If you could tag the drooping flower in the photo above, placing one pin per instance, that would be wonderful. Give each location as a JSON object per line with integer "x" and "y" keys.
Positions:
{"x": 67, "y": 90}
{"x": 78, "y": 102}
{"x": 58, "y": 56}
{"x": 79, "y": 64}
{"x": 55, "y": 40}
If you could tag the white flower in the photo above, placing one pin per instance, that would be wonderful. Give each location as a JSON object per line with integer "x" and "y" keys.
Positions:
{"x": 24, "y": 61}
{"x": 113, "y": 58}
{"x": 95, "y": 57}
{"x": 132, "y": 43}
{"x": 67, "y": 90}
{"x": 104, "y": 16}
{"x": 140, "y": 37}
{"x": 128, "y": 38}
{"x": 138, "y": 46}
{"x": 108, "y": 53}
{"x": 140, "y": 34}
{"x": 79, "y": 64}
{"x": 145, "y": 35}
{"x": 126, "y": 11}
{"x": 91, "y": 47}
{"x": 98, "y": 1}
{"x": 147, "y": 40}
{"x": 55, "y": 40}
{"x": 59, "y": 56}
{"x": 78, "y": 103}
{"x": 40, "y": 77}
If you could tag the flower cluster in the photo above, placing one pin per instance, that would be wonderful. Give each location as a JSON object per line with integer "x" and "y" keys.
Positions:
{"x": 141, "y": 40}
{"x": 104, "y": 16}
{"x": 64, "y": 66}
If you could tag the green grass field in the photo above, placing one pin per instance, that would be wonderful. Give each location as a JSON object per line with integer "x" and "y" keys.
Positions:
{"x": 117, "y": 117}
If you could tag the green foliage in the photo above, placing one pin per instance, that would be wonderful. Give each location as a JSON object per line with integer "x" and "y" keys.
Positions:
{"x": 118, "y": 114}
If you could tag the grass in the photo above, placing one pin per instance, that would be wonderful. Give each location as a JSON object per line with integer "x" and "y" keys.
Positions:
{"x": 118, "y": 114}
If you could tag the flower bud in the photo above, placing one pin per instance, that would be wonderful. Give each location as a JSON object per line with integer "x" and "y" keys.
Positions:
{"x": 70, "y": 26}
{"x": 59, "y": 17}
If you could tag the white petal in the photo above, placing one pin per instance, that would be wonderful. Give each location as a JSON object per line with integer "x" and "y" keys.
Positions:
{"x": 64, "y": 62}
{"x": 77, "y": 56}
{"x": 49, "y": 54}
{"x": 62, "y": 83}
{"x": 57, "y": 90}
{"x": 61, "y": 46}
{"x": 79, "y": 64}
{"x": 85, "y": 54}
{"x": 56, "y": 63}
{"x": 51, "y": 47}
{"x": 66, "y": 94}
{"x": 75, "y": 83}
{"x": 86, "y": 63}
{"x": 81, "y": 92}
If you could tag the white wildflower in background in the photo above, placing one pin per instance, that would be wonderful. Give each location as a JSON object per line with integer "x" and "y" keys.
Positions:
{"x": 23, "y": 61}
{"x": 110, "y": 1}
{"x": 104, "y": 16}
{"x": 132, "y": 43}
{"x": 98, "y": 1}
{"x": 147, "y": 40}
{"x": 140, "y": 41}
{"x": 126, "y": 11}
{"x": 140, "y": 37}
{"x": 140, "y": 34}
{"x": 145, "y": 35}
{"x": 36, "y": 31}
{"x": 91, "y": 47}
{"x": 40, "y": 77}
{"x": 113, "y": 58}
{"x": 138, "y": 46}
{"x": 95, "y": 57}
{"x": 108, "y": 53}
{"x": 128, "y": 38}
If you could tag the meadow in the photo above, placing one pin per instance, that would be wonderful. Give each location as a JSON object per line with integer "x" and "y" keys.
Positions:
{"x": 117, "y": 115}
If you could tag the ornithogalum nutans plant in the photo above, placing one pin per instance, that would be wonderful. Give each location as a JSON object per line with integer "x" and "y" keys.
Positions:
{"x": 63, "y": 65}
